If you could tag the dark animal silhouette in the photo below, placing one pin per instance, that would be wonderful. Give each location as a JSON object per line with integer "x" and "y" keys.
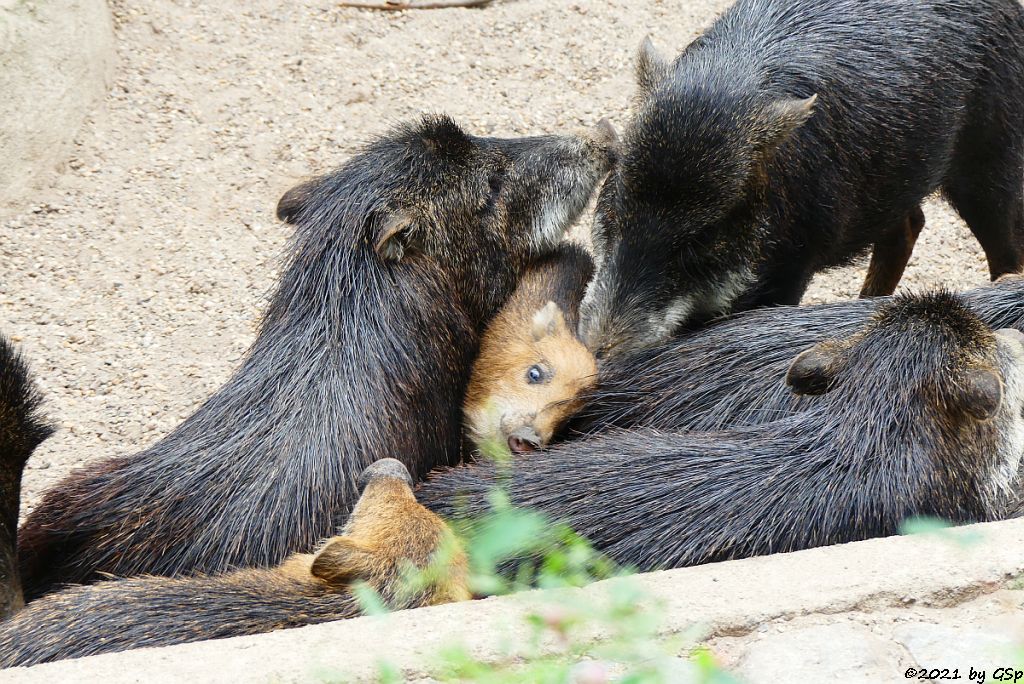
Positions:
{"x": 795, "y": 135}
{"x": 398, "y": 261}
{"x": 921, "y": 415}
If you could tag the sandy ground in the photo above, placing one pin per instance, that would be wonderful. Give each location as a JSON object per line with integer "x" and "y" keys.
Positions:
{"x": 134, "y": 284}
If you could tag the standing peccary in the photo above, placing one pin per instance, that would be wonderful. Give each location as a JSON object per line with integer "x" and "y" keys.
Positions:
{"x": 532, "y": 367}
{"x": 921, "y": 416}
{"x": 793, "y": 136}
{"x": 22, "y": 429}
{"x": 733, "y": 371}
{"x": 399, "y": 259}
{"x": 387, "y": 535}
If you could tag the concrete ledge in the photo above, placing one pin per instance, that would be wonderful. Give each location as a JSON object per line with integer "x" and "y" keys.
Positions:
{"x": 726, "y": 599}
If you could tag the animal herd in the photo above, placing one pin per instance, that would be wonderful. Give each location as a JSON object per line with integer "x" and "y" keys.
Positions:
{"x": 664, "y": 394}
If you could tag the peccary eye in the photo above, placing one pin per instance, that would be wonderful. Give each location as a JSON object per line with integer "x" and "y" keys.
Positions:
{"x": 535, "y": 374}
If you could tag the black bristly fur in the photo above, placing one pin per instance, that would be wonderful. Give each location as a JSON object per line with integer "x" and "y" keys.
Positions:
{"x": 562, "y": 277}
{"x": 22, "y": 429}
{"x": 712, "y": 209}
{"x": 76, "y": 622}
{"x": 890, "y": 441}
{"x": 733, "y": 371}
{"x": 364, "y": 352}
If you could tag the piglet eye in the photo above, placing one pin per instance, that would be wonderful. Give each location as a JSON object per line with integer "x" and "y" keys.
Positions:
{"x": 535, "y": 374}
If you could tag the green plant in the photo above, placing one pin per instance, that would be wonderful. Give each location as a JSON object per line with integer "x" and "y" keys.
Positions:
{"x": 941, "y": 529}
{"x": 570, "y": 638}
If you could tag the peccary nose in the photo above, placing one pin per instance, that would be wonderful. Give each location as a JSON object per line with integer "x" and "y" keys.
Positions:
{"x": 385, "y": 467}
{"x": 523, "y": 440}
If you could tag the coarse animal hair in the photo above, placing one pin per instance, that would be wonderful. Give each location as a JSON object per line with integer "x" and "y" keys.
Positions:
{"x": 911, "y": 425}
{"x": 733, "y": 371}
{"x": 398, "y": 260}
{"x": 22, "y": 429}
{"x": 387, "y": 533}
{"x": 791, "y": 137}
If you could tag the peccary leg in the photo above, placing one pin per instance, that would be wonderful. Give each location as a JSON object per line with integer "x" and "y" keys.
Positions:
{"x": 890, "y": 256}
{"x": 986, "y": 180}
{"x": 998, "y": 223}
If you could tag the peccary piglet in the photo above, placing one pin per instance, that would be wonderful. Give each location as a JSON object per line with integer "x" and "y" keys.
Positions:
{"x": 387, "y": 533}
{"x": 792, "y": 137}
{"x": 22, "y": 429}
{"x": 732, "y": 372}
{"x": 532, "y": 368}
{"x": 921, "y": 415}
{"x": 399, "y": 260}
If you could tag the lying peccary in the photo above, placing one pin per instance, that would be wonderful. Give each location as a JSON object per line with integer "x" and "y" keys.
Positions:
{"x": 921, "y": 416}
{"x": 387, "y": 534}
{"x": 399, "y": 259}
{"x": 732, "y": 372}
{"x": 791, "y": 137}
{"x": 22, "y": 429}
{"x": 532, "y": 368}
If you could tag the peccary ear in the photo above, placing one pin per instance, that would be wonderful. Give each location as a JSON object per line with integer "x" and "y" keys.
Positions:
{"x": 398, "y": 236}
{"x": 651, "y": 67}
{"x": 780, "y": 119}
{"x": 342, "y": 561}
{"x": 445, "y": 138}
{"x": 294, "y": 201}
{"x": 547, "y": 321}
{"x": 814, "y": 371}
{"x": 982, "y": 393}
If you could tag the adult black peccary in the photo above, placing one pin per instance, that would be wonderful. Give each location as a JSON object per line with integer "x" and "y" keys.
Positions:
{"x": 791, "y": 137}
{"x": 387, "y": 533}
{"x": 733, "y": 371}
{"x": 398, "y": 261}
{"x": 22, "y": 429}
{"x": 921, "y": 416}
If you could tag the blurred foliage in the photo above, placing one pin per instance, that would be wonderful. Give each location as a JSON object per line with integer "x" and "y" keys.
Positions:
{"x": 571, "y": 637}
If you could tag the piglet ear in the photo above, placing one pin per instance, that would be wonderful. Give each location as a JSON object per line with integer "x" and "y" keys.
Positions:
{"x": 981, "y": 393}
{"x": 814, "y": 371}
{"x": 342, "y": 561}
{"x": 547, "y": 321}
{"x": 651, "y": 67}
{"x": 399, "y": 236}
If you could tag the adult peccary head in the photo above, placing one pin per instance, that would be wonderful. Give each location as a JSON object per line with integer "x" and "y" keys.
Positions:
{"x": 732, "y": 371}
{"x": 479, "y": 208}
{"x": 398, "y": 261}
{"x": 795, "y": 135}
{"x": 676, "y": 231}
{"x": 22, "y": 429}
{"x": 919, "y": 413}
